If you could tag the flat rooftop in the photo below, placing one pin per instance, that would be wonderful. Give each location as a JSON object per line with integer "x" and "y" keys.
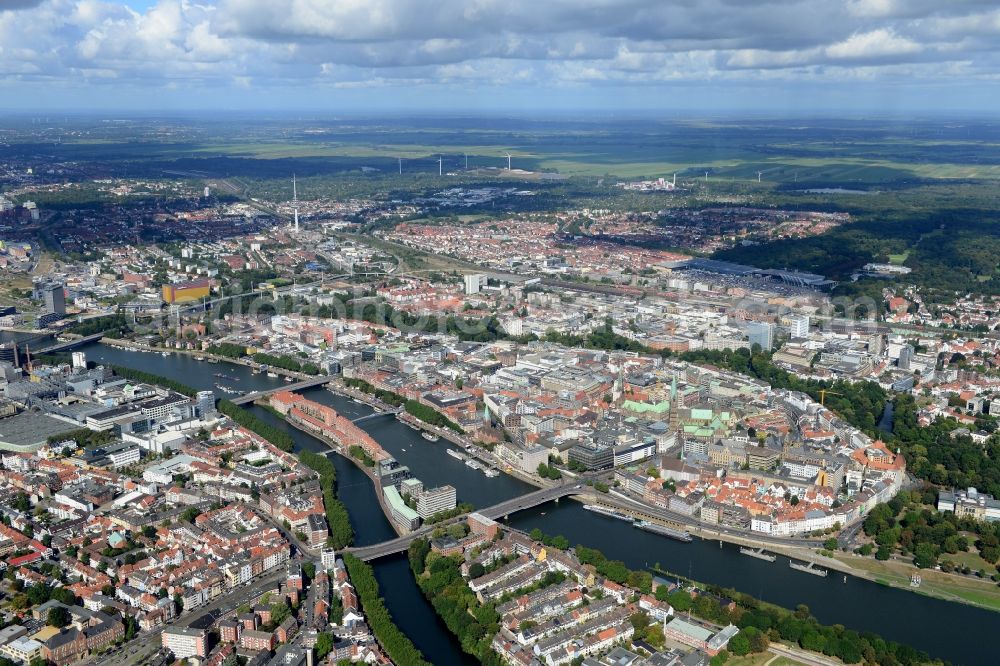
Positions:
{"x": 28, "y": 431}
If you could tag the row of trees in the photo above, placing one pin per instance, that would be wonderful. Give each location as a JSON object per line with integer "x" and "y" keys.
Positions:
{"x": 430, "y": 415}
{"x": 440, "y": 579}
{"x": 341, "y": 532}
{"x": 84, "y": 437}
{"x": 360, "y": 454}
{"x": 227, "y": 349}
{"x": 397, "y": 645}
{"x": 802, "y": 628}
{"x": 150, "y": 378}
{"x": 286, "y": 363}
{"x": 412, "y": 407}
{"x": 447, "y": 514}
{"x": 548, "y": 472}
{"x": 388, "y": 397}
{"x": 602, "y": 337}
{"x": 615, "y": 569}
{"x": 275, "y": 435}
{"x": 38, "y": 594}
{"x": 112, "y": 326}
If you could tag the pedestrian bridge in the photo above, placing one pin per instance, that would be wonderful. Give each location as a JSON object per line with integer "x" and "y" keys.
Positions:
{"x": 375, "y": 415}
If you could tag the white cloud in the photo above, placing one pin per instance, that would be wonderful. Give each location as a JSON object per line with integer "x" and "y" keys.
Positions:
{"x": 881, "y": 43}
{"x": 382, "y": 43}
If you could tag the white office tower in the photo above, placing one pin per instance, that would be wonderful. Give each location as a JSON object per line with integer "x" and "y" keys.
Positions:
{"x": 79, "y": 360}
{"x": 474, "y": 283}
{"x": 208, "y": 191}
{"x": 798, "y": 327}
{"x": 205, "y": 402}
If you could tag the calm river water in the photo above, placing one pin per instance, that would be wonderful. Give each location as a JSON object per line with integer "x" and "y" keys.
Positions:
{"x": 951, "y": 631}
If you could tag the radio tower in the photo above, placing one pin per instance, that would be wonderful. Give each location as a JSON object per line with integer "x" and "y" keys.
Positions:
{"x": 295, "y": 204}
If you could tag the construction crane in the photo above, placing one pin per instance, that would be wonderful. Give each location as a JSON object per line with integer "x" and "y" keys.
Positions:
{"x": 822, "y": 395}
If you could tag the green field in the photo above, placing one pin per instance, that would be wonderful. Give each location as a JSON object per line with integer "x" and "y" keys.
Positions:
{"x": 596, "y": 160}
{"x": 920, "y": 193}
{"x": 814, "y": 152}
{"x": 952, "y": 587}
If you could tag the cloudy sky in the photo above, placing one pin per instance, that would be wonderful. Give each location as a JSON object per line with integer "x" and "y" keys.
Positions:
{"x": 895, "y": 56}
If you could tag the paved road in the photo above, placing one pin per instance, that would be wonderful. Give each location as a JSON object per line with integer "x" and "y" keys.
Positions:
{"x": 622, "y": 502}
{"x": 297, "y": 386}
{"x": 136, "y": 651}
{"x": 70, "y": 344}
{"x": 496, "y": 511}
{"x": 808, "y": 658}
{"x": 230, "y": 600}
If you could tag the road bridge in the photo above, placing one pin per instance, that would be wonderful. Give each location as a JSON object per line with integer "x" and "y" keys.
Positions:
{"x": 69, "y": 344}
{"x": 204, "y": 306}
{"x": 500, "y": 510}
{"x": 297, "y": 386}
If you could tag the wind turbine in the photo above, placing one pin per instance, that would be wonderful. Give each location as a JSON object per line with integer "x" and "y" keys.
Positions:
{"x": 466, "y": 161}
{"x": 400, "y": 166}
{"x": 758, "y": 175}
{"x": 440, "y": 165}
{"x": 508, "y": 161}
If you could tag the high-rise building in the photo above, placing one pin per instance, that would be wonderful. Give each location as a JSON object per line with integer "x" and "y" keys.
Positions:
{"x": 205, "y": 403}
{"x": 905, "y": 357}
{"x": 184, "y": 643}
{"x": 55, "y": 298}
{"x": 761, "y": 333}
{"x": 79, "y": 360}
{"x": 474, "y": 283}
{"x": 435, "y": 500}
{"x": 329, "y": 558}
{"x": 798, "y": 327}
